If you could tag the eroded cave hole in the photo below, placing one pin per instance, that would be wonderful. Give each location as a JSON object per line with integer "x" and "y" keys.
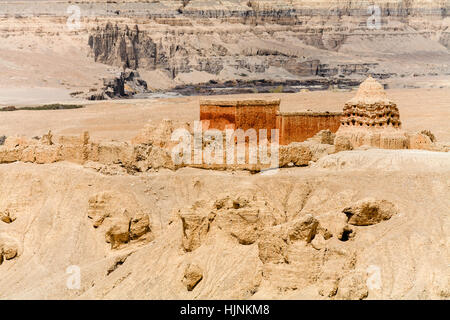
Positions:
{"x": 346, "y": 234}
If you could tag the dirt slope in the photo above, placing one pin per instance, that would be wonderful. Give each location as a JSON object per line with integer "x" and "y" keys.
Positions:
{"x": 403, "y": 257}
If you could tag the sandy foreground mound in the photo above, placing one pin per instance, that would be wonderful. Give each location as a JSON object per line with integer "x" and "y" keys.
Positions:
{"x": 381, "y": 231}
{"x": 386, "y": 160}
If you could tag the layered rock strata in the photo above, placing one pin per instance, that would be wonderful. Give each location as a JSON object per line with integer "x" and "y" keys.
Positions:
{"x": 250, "y": 40}
{"x": 317, "y": 44}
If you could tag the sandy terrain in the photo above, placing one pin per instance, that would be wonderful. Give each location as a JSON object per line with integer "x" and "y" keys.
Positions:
{"x": 408, "y": 254}
{"x": 420, "y": 109}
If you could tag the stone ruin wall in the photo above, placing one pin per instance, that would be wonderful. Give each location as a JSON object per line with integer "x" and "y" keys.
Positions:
{"x": 300, "y": 126}
{"x": 76, "y": 149}
{"x": 150, "y": 149}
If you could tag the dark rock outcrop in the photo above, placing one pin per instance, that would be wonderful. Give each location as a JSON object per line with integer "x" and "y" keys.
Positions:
{"x": 126, "y": 84}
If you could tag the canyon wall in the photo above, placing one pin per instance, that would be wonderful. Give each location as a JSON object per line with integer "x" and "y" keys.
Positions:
{"x": 208, "y": 44}
{"x": 250, "y": 40}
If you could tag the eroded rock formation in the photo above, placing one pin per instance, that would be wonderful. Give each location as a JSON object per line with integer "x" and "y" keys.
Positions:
{"x": 9, "y": 248}
{"x": 7, "y": 216}
{"x": 121, "y": 218}
{"x": 192, "y": 276}
{"x": 370, "y": 211}
{"x": 313, "y": 244}
{"x": 124, "y": 85}
{"x": 282, "y": 236}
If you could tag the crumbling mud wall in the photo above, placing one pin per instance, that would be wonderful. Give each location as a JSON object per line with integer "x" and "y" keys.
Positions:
{"x": 299, "y": 126}
{"x": 154, "y": 148}
{"x": 76, "y": 149}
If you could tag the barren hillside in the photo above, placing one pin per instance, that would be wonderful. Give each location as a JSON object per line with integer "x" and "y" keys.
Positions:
{"x": 56, "y": 207}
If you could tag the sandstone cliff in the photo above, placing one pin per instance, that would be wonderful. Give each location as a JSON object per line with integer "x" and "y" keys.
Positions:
{"x": 269, "y": 40}
{"x": 253, "y": 45}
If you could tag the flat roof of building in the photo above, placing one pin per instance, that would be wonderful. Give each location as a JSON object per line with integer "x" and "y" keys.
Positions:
{"x": 310, "y": 113}
{"x": 239, "y": 103}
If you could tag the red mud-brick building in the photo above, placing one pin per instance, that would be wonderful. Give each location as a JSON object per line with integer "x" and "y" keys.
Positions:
{"x": 265, "y": 114}
{"x": 243, "y": 114}
{"x": 299, "y": 126}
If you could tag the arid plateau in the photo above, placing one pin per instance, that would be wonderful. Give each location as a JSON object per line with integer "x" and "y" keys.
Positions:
{"x": 116, "y": 184}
